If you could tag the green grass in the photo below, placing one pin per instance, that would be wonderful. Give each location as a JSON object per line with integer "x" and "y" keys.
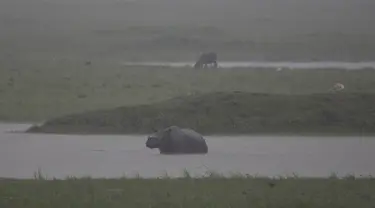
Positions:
{"x": 38, "y": 92}
{"x": 230, "y": 113}
{"x": 209, "y": 191}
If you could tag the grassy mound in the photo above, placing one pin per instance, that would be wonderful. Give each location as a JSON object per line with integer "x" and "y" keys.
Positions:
{"x": 230, "y": 113}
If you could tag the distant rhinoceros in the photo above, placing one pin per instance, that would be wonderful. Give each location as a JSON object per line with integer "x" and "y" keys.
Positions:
{"x": 205, "y": 59}
{"x": 176, "y": 140}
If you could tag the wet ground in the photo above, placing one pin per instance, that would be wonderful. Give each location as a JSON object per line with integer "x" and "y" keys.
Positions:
{"x": 113, "y": 156}
{"x": 278, "y": 65}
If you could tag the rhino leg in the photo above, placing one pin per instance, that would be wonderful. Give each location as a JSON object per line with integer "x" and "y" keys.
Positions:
{"x": 215, "y": 64}
{"x": 198, "y": 64}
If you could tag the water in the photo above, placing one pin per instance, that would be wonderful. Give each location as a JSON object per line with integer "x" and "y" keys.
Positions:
{"x": 113, "y": 156}
{"x": 277, "y": 65}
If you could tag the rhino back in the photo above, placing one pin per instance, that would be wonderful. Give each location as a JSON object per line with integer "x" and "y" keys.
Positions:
{"x": 192, "y": 139}
{"x": 173, "y": 141}
{"x": 183, "y": 140}
{"x": 191, "y": 134}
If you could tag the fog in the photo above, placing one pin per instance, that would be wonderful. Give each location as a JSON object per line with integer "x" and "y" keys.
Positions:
{"x": 104, "y": 28}
{"x": 252, "y": 16}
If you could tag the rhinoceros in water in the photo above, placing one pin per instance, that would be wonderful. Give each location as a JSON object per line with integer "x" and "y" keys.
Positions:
{"x": 176, "y": 140}
{"x": 205, "y": 59}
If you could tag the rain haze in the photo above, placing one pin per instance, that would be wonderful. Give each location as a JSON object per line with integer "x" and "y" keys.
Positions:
{"x": 187, "y": 88}
{"x": 166, "y": 30}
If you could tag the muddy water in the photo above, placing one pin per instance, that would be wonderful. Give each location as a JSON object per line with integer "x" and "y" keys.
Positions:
{"x": 281, "y": 65}
{"x": 113, "y": 156}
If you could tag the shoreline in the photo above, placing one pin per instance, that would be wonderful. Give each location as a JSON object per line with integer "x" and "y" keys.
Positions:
{"x": 298, "y": 65}
{"x": 281, "y": 134}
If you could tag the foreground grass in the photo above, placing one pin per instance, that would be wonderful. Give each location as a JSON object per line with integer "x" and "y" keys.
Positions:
{"x": 38, "y": 92}
{"x": 212, "y": 191}
{"x": 230, "y": 113}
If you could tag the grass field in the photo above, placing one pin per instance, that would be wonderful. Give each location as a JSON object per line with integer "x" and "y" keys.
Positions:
{"x": 211, "y": 191}
{"x": 35, "y": 93}
{"x": 230, "y": 113}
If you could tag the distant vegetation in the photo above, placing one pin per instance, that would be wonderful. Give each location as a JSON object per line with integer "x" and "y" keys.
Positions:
{"x": 166, "y": 30}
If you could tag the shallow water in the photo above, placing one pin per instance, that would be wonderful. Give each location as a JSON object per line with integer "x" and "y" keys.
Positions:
{"x": 277, "y": 65}
{"x": 113, "y": 156}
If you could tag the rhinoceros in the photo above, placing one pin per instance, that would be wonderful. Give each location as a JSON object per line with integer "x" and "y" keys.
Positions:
{"x": 205, "y": 59}
{"x": 176, "y": 140}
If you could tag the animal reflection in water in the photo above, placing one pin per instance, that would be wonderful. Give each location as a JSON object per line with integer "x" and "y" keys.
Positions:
{"x": 205, "y": 59}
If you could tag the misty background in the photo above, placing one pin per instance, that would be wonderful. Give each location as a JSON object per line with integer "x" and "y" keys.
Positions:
{"x": 170, "y": 30}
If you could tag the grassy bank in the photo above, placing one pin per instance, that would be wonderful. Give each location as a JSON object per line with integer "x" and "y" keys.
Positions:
{"x": 230, "y": 113}
{"x": 213, "y": 191}
{"x": 30, "y": 92}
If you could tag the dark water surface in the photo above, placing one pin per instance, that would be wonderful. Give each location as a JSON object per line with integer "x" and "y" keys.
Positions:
{"x": 113, "y": 156}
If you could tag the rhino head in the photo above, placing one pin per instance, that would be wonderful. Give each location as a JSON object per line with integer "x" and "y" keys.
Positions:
{"x": 155, "y": 140}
